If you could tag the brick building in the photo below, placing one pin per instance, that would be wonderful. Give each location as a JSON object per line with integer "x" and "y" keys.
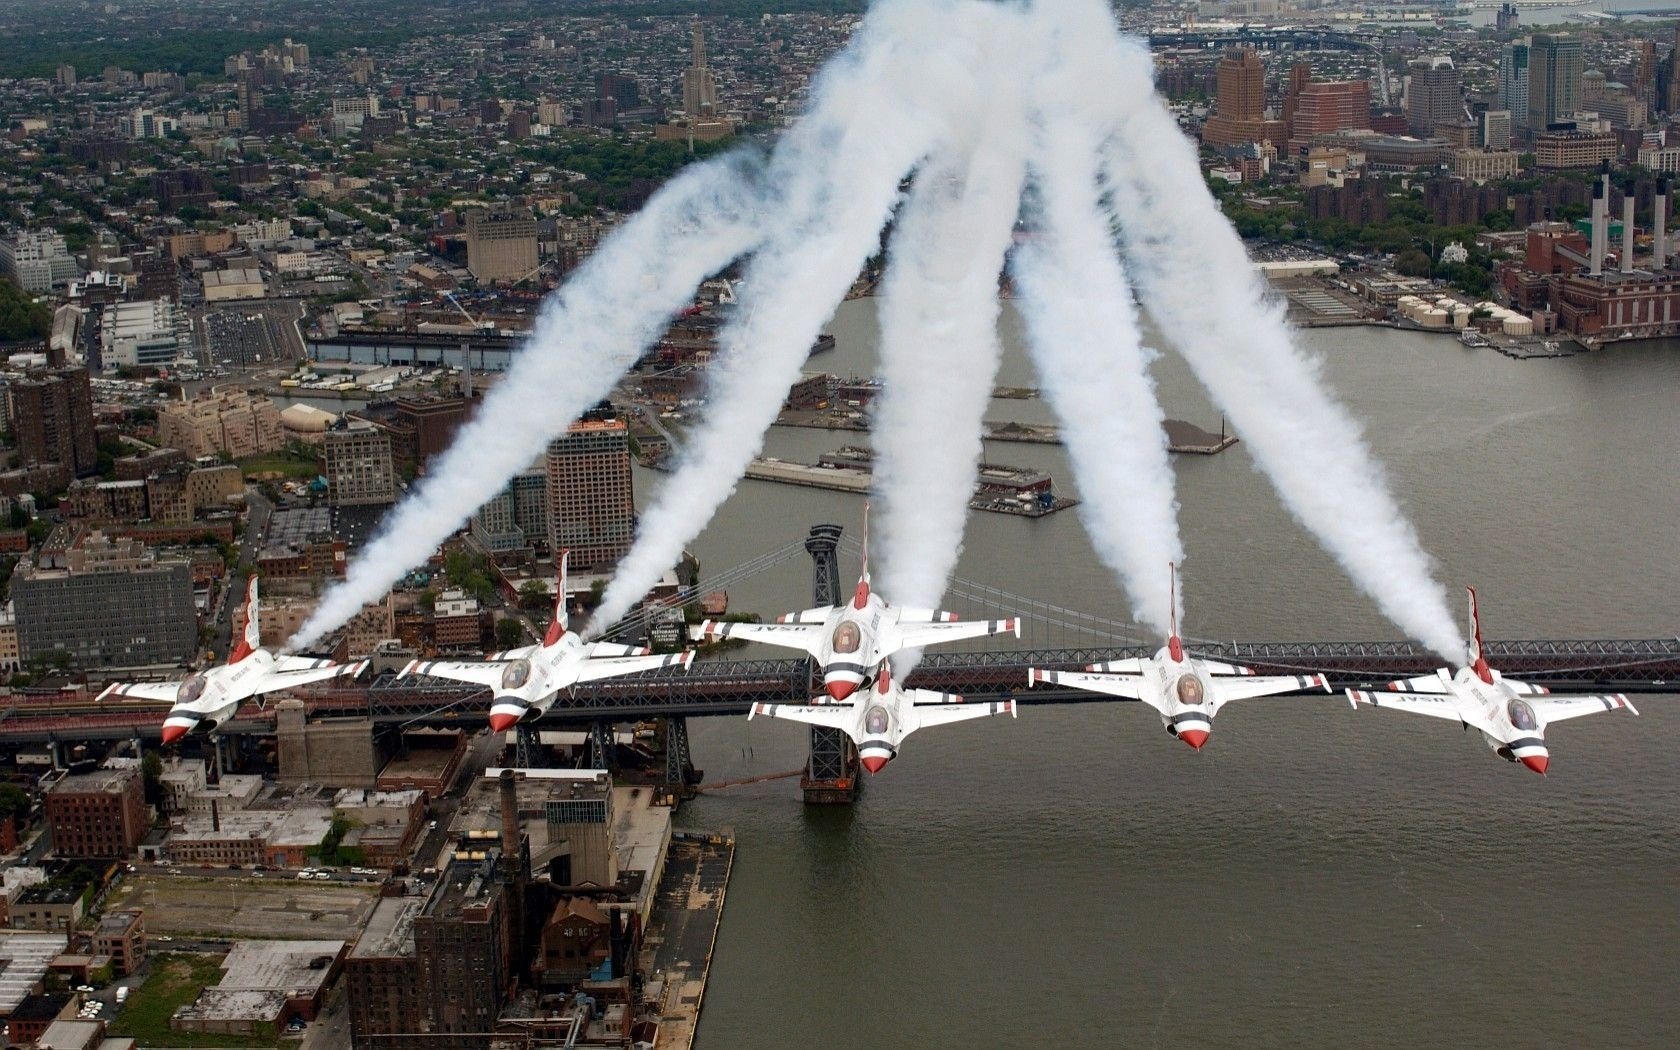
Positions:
{"x": 97, "y": 814}
{"x": 591, "y": 502}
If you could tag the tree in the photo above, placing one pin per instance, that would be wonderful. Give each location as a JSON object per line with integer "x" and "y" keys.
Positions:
{"x": 1413, "y": 262}
{"x": 151, "y": 774}
{"x": 509, "y": 633}
{"x": 533, "y": 595}
{"x": 15, "y": 803}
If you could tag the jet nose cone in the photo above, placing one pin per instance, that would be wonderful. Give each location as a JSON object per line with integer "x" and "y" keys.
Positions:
{"x": 873, "y": 763}
{"x": 173, "y": 733}
{"x": 1536, "y": 762}
{"x": 1194, "y": 737}
{"x": 840, "y": 691}
{"x": 501, "y": 723}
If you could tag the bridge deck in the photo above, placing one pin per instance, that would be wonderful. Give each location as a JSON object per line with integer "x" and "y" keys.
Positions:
{"x": 719, "y": 687}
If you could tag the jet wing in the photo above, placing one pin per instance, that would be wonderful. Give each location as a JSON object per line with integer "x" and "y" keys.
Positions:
{"x": 290, "y": 678}
{"x": 936, "y": 710}
{"x": 806, "y": 636}
{"x": 1559, "y": 708}
{"x": 598, "y": 650}
{"x": 1219, "y": 667}
{"x": 286, "y": 664}
{"x": 485, "y": 673}
{"x": 1129, "y": 665}
{"x": 818, "y": 615}
{"x": 1128, "y": 686}
{"x": 917, "y": 635}
{"x": 1436, "y": 706}
{"x": 835, "y": 716}
{"x": 1246, "y": 688}
{"x": 612, "y": 666}
{"x": 1429, "y": 683}
{"x": 140, "y": 691}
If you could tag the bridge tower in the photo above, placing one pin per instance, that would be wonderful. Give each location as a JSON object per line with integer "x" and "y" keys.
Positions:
{"x": 831, "y": 776}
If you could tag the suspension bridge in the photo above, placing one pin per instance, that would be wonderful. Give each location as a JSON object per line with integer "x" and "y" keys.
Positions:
{"x": 1053, "y": 636}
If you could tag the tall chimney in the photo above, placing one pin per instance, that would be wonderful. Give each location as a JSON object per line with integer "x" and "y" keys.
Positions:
{"x": 1595, "y": 252}
{"x": 510, "y": 817}
{"x": 1627, "y": 228}
{"x": 1659, "y": 227}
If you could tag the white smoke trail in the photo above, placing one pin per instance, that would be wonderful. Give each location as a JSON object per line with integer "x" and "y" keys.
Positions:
{"x": 1083, "y": 335}
{"x": 588, "y": 334}
{"x": 940, "y": 347}
{"x": 1200, "y": 286}
{"x": 879, "y": 112}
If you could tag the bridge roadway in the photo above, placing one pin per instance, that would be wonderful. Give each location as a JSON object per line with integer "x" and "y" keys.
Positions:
{"x": 1265, "y": 38}
{"x": 730, "y": 687}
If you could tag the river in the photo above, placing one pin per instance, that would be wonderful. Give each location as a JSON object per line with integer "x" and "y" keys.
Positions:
{"x": 1316, "y": 876}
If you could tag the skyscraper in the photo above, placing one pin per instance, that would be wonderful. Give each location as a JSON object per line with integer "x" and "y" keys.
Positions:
{"x": 1513, "y": 82}
{"x": 1324, "y": 106}
{"x": 1241, "y": 103}
{"x": 1435, "y": 94}
{"x": 699, "y": 88}
{"x": 1554, "y": 79}
{"x": 51, "y": 419}
{"x": 591, "y": 505}
{"x": 501, "y": 246}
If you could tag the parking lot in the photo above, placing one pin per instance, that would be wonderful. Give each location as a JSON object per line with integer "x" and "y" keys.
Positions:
{"x": 239, "y": 340}
{"x": 277, "y": 906}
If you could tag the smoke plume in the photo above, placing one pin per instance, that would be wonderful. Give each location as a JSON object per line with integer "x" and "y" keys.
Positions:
{"x": 838, "y": 171}
{"x": 1202, "y": 290}
{"x": 588, "y": 334}
{"x": 1083, "y": 335}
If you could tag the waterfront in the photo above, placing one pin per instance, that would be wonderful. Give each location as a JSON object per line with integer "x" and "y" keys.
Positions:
{"x": 1316, "y": 876}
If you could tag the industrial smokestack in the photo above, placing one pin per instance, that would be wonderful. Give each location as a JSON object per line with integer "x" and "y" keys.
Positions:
{"x": 510, "y": 815}
{"x": 1627, "y": 228}
{"x": 1659, "y": 227}
{"x": 1595, "y": 252}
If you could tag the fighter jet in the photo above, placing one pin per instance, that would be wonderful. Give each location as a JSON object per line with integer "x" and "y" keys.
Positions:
{"x": 850, "y": 640}
{"x": 1512, "y": 715}
{"x": 527, "y": 680}
{"x": 1187, "y": 691}
{"x": 209, "y": 698}
{"x": 878, "y": 721}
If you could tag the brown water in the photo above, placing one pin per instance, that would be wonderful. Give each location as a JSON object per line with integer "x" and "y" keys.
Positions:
{"x": 1316, "y": 876}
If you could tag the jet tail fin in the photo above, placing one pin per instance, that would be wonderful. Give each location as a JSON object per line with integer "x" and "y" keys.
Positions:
{"x": 252, "y": 637}
{"x": 1478, "y": 661}
{"x": 860, "y": 597}
{"x": 557, "y": 629}
{"x": 1174, "y": 645}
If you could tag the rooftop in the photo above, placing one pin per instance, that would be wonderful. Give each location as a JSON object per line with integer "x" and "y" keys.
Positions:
{"x": 23, "y": 962}
{"x": 98, "y": 781}
{"x": 390, "y": 929}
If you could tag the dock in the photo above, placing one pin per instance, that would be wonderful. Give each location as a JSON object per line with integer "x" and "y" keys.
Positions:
{"x": 677, "y": 949}
{"x": 1184, "y": 438}
{"x": 999, "y": 488}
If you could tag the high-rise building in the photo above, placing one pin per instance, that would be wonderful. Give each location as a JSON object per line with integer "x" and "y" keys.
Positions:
{"x": 97, "y": 814}
{"x": 1513, "y": 82}
{"x": 699, "y": 87}
{"x": 66, "y": 76}
{"x": 1496, "y": 129}
{"x": 50, "y": 415}
{"x": 1300, "y": 75}
{"x": 228, "y": 420}
{"x": 1554, "y": 79}
{"x": 145, "y": 123}
{"x": 1324, "y": 106}
{"x": 115, "y": 604}
{"x": 1507, "y": 18}
{"x": 37, "y": 260}
{"x": 591, "y": 505}
{"x": 501, "y": 246}
{"x": 515, "y": 517}
{"x": 1434, "y": 95}
{"x": 1240, "y": 116}
{"x": 357, "y": 456}
{"x": 464, "y": 944}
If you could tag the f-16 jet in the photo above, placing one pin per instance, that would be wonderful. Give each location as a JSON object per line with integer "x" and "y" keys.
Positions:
{"x": 205, "y": 700}
{"x": 527, "y": 680}
{"x": 1512, "y": 715}
{"x": 1186, "y": 691}
{"x": 879, "y": 720}
{"x": 850, "y": 641}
